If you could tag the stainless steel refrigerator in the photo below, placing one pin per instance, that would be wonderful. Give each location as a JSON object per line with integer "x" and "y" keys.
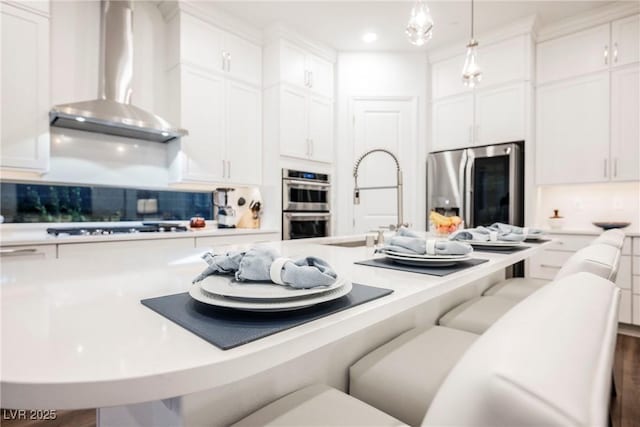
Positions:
{"x": 482, "y": 185}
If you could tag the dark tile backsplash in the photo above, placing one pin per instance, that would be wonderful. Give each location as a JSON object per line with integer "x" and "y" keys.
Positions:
{"x": 21, "y": 202}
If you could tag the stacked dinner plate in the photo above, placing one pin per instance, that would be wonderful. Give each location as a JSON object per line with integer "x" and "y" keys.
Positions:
{"x": 224, "y": 291}
{"x": 426, "y": 260}
{"x": 494, "y": 244}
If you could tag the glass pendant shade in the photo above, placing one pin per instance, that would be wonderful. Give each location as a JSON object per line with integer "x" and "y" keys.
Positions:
{"x": 420, "y": 27}
{"x": 471, "y": 73}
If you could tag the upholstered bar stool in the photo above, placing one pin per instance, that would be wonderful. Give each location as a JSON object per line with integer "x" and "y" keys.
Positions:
{"x": 476, "y": 315}
{"x": 520, "y": 287}
{"x": 503, "y": 378}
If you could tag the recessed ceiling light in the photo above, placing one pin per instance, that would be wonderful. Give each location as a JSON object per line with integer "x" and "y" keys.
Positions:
{"x": 369, "y": 37}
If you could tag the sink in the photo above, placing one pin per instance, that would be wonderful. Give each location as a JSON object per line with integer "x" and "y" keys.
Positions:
{"x": 350, "y": 244}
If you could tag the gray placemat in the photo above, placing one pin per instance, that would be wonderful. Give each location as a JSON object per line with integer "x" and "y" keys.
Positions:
{"x": 536, "y": 240}
{"x": 431, "y": 271}
{"x": 500, "y": 250}
{"x": 227, "y": 328}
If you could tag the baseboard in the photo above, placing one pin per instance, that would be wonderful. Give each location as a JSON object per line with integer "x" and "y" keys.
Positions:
{"x": 631, "y": 330}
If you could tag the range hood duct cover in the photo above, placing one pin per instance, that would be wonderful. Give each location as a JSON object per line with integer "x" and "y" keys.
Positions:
{"x": 113, "y": 113}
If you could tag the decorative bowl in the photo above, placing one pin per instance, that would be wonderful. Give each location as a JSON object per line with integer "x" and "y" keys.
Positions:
{"x": 610, "y": 225}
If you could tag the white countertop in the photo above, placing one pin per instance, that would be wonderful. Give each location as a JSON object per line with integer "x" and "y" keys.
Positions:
{"x": 75, "y": 335}
{"x": 10, "y": 235}
{"x": 590, "y": 232}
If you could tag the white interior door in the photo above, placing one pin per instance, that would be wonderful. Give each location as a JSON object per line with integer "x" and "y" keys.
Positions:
{"x": 389, "y": 124}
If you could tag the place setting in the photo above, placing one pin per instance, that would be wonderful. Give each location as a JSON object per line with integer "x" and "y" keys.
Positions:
{"x": 499, "y": 237}
{"x": 242, "y": 296}
{"x": 409, "y": 251}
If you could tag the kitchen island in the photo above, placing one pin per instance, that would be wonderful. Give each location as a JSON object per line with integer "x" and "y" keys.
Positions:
{"x": 74, "y": 335}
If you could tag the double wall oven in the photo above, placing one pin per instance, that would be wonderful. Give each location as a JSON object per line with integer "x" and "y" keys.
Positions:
{"x": 306, "y": 204}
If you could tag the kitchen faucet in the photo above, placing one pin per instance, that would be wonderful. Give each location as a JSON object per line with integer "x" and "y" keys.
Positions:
{"x": 397, "y": 187}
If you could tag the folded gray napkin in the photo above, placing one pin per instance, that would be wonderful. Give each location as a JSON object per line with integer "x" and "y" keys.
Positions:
{"x": 409, "y": 242}
{"x": 257, "y": 264}
{"x": 484, "y": 234}
{"x": 508, "y": 228}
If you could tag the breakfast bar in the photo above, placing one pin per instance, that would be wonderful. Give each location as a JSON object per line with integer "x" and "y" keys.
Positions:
{"x": 75, "y": 335}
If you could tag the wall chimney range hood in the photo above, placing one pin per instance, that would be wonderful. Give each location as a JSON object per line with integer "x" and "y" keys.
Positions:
{"x": 113, "y": 113}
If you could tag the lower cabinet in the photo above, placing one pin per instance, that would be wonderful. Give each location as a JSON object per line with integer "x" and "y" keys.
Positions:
{"x": 134, "y": 250}
{"x": 212, "y": 242}
{"x": 546, "y": 264}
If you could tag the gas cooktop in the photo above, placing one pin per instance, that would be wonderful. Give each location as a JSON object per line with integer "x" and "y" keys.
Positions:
{"x": 146, "y": 227}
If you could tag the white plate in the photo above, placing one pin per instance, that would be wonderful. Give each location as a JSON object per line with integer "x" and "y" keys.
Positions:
{"x": 226, "y": 286}
{"x": 199, "y": 294}
{"x": 425, "y": 256}
{"x": 535, "y": 237}
{"x": 427, "y": 262}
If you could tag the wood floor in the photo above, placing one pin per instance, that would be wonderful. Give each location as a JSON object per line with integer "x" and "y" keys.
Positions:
{"x": 625, "y": 407}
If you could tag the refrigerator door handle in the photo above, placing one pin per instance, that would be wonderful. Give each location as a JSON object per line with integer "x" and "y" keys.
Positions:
{"x": 468, "y": 191}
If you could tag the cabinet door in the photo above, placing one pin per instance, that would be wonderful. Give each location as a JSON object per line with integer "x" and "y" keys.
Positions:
{"x": 245, "y": 59}
{"x": 321, "y": 129}
{"x": 500, "y": 115}
{"x": 244, "y": 134}
{"x": 294, "y": 139}
{"x": 27, "y": 253}
{"x": 625, "y": 311}
{"x": 447, "y": 77}
{"x": 625, "y": 37}
{"x": 203, "y": 114}
{"x": 453, "y": 122}
{"x": 635, "y": 305}
{"x": 625, "y": 124}
{"x": 24, "y": 103}
{"x": 573, "y": 55}
{"x": 292, "y": 65}
{"x": 572, "y": 138}
{"x": 200, "y": 43}
{"x": 321, "y": 76}
{"x": 505, "y": 61}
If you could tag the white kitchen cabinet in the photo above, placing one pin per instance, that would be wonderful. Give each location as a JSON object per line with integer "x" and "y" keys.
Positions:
{"x": 573, "y": 55}
{"x": 24, "y": 85}
{"x": 453, "y": 122}
{"x": 244, "y": 133}
{"x": 625, "y": 123}
{"x": 306, "y": 125}
{"x": 213, "y": 242}
{"x": 321, "y": 128}
{"x": 198, "y": 43}
{"x": 625, "y": 40}
{"x": 27, "y": 253}
{"x": 102, "y": 252}
{"x": 505, "y": 61}
{"x": 625, "y": 309}
{"x": 224, "y": 120}
{"x": 286, "y": 62}
{"x": 572, "y": 131}
{"x": 500, "y": 114}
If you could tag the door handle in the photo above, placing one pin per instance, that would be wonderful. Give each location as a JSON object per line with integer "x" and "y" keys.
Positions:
{"x": 615, "y": 53}
{"x": 605, "y": 168}
{"x": 18, "y": 251}
{"x": 606, "y": 54}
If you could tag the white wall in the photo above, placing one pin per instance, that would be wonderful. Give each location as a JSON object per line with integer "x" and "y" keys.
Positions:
{"x": 80, "y": 157}
{"x": 380, "y": 74}
{"x": 583, "y": 204}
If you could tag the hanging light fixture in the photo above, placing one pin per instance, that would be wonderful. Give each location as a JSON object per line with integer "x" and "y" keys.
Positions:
{"x": 420, "y": 27}
{"x": 471, "y": 73}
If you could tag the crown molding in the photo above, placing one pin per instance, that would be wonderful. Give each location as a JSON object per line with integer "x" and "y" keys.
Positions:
{"x": 208, "y": 12}
{"x": 278, "y": 31}
{"x": 527, "y": 25}
{"x": 588, "y": 19}
{"x": 28, "y": 7}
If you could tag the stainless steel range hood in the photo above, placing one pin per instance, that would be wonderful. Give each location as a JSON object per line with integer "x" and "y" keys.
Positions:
{"x": 113, "y": 113}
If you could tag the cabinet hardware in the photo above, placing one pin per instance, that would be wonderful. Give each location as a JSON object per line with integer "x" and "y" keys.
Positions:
{"x": 615, "y": 167}
{"x": 550, "y": 266}
{"x": 228, "y": 62}
{"x": 606, "y": 54}
{"x": 229, "y": 169}
{"x": 312, "y": 150}
{"x": 605, "y": 168}
{"x": 18, "y": 251}
{"x": 306, "y": 78}
{"x": 615, "y": 53}
{"x": 310, "y": 78}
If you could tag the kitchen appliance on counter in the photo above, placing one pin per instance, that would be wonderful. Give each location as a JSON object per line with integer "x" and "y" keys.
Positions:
{"x": 481, "y": 185}
{"x": 226, "y": 214}
{"x": 306, "y": 204}
{"x": 145, "y": 227}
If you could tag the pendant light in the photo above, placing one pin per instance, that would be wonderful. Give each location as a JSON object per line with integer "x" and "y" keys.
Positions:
{"x": 420, "y": 27}
{"x": 471, "y": 73}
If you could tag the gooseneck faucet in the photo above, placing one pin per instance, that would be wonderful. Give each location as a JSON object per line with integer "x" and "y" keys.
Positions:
{"x": 397, "y": 187}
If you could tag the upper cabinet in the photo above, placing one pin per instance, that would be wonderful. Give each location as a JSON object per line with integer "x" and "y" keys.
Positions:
{"x": 24, "y": 87}
{"x": 500, "y": 114}
{"x": 588, "y": 104}
{"x": 594, "y": 49}
{"x": 215, "y": 78}
{"x": 299, "y": 90}
{"x": 198, "y": 43}
{"x": 286, "y": 62}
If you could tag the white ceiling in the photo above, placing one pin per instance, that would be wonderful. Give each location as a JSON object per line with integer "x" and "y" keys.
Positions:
{"x": 340, "y": 24}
